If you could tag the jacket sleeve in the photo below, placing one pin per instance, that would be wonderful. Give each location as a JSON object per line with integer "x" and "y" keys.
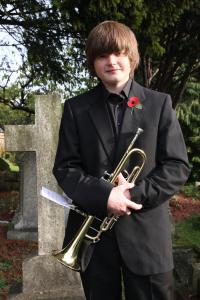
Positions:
{"x": 172, "y": 167}
{"x": 88, "y": 192}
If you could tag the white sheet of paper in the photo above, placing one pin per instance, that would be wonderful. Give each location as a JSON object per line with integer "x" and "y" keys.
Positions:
{"x": 56, "y": 198}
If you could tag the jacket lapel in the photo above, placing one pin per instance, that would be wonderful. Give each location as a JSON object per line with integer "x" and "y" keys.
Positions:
{"x": 99, "y": 115}
{"x": 131, "y": 120}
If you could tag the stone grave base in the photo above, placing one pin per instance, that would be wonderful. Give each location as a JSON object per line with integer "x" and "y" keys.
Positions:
{"x": 23, "y": 235}
{"x": 44, "y": 278}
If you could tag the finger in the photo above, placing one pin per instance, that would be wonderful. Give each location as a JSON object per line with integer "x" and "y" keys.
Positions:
{"x": 121, "y": 179}
{"x": 127, "y": 186}
{"x": 133, "y": 205}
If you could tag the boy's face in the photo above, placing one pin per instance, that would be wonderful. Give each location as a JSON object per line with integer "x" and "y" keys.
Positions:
{"x": 113, "y": 70}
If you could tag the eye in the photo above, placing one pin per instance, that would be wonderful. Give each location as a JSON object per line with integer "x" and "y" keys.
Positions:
{"x": 119, "y": 53}
{"x": 103, "y": 55}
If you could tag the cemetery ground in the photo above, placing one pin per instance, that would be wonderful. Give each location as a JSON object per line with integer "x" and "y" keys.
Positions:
{"x": 185, "y": 211}
{"x": 12, "y": 252}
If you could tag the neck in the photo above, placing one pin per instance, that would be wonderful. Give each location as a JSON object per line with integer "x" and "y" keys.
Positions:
{"x": 115, "y": 88}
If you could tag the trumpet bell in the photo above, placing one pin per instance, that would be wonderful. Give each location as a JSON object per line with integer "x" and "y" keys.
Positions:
{"x": 66, "y": 258}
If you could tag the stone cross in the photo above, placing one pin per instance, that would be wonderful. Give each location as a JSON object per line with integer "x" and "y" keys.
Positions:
{"x": 42, "y": 139}
{"x": 42, "y": 274}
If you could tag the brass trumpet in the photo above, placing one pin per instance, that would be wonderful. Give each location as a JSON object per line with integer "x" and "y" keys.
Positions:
{"x": 68, "y": 256}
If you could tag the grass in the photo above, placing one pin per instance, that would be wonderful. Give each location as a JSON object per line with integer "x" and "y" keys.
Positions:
{"x": 3, "y": 283}
{"x": 12, "y": 254}
{"x": 187, "y": 232}
{"x": 12, "y": 166}
{"x": 9, "y": 200}
{"x": 191, "y": 191}
{"x": 4, "y": 266}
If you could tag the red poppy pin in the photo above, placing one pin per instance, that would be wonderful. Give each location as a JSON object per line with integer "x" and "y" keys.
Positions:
{"x": 134, "y": 103}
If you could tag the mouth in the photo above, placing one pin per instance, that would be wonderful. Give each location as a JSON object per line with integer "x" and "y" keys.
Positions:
{"x": 112, "y": 70}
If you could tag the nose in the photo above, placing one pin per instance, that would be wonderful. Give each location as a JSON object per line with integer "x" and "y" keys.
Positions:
{"x": 111, "y": 59}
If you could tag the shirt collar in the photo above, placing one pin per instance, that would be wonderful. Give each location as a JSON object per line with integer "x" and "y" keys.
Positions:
{"x": 126, "y": 89}
{"x": 123, "y": 94}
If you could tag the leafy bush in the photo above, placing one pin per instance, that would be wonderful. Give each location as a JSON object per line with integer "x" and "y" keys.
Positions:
{"x": 191, "y": 191}
{"x": 187, "y": 232}
{"x": 2, "y": 283}
{"x": 4, "y": 166}
{"x": 188, "y": 115}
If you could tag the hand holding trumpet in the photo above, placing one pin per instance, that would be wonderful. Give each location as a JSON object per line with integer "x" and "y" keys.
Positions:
{"x": 119, "y": 201}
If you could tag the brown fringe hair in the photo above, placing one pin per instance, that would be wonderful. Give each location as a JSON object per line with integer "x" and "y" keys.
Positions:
{"x": 111, "y": 37}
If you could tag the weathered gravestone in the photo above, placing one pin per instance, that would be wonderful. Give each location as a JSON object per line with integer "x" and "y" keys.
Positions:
{"x": 25, "y": 221}
{"x": 43, "y": 276}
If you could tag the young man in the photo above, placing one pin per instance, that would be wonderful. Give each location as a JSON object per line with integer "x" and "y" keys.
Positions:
{"x": 96, "y": 129}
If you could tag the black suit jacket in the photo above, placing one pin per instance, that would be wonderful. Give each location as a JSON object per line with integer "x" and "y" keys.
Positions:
{"x": 87, "y": 148}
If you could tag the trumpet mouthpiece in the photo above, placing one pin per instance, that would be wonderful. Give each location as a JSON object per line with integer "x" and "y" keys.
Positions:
{"x": 140, "y": 130}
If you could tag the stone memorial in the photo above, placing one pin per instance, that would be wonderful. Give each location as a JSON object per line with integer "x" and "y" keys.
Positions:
{"x": 25, "y": 223}
{"x": 43, "y": 276}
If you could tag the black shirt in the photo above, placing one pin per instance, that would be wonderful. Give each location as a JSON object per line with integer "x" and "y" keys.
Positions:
{"x": 116, "y": 107}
